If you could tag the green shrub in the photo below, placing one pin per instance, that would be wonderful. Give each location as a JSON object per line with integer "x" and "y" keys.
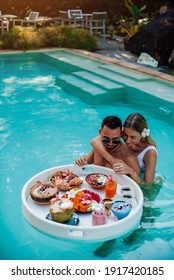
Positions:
{"x": 20, "y": 38}
{"x": 79, "y": 39}
{"x": 66, "y": 36}
{"x": 26, "y": 38}
{"x": 8, "y": 39}
{"x": 50, "y": 37}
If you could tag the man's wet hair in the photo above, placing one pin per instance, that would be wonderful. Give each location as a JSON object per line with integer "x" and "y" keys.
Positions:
{"x": 112, "y": 122}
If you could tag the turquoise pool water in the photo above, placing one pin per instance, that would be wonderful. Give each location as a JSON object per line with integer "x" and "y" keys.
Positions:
{"x": 51, "y": 106}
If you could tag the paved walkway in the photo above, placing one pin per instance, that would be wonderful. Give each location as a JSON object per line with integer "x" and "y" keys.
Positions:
{"x": 115, "y": 49}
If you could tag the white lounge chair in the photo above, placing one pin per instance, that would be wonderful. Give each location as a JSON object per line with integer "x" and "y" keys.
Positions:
{"x": 32, "y": 19}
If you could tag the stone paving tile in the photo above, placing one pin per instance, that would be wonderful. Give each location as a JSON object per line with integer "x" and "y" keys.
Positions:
{"x": 115, "y": 49}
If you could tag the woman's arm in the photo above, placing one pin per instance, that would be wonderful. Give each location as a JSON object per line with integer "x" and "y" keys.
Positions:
{"x": 130, "y": 167}
{"x": 150, "y": 160}
{"x": 98, "y": 146}
{"x": 122, "y": 168}
{"x": 130, "y": 160}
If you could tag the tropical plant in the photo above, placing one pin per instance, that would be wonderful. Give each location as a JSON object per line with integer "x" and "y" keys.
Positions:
{"x": 134, "y": 10}
{"x": 130, "y": 26}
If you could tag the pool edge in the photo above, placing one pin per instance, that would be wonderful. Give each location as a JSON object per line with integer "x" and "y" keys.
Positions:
{"x": 129, "y": 65}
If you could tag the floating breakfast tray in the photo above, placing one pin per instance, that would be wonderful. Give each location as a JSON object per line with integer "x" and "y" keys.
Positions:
{"x": 85, "y": 232}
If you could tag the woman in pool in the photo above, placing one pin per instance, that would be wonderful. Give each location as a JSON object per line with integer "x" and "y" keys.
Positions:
{"x": 137, "y": 137}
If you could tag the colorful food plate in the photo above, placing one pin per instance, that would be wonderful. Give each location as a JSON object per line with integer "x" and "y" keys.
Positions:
{"x": 83, "y": 199}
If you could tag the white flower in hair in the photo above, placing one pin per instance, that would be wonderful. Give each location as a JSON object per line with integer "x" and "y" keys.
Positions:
{"x": 145, "y": 132}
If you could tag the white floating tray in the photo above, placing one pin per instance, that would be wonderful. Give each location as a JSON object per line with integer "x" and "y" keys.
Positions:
{"x": 85, "y": 232}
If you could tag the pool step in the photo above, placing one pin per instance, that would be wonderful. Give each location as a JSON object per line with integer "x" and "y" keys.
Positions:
{"x": 133, "y": 80}
{"x": 71, "y": 59}
{"x": 115, "y": 77}
{"x": 104, "y": 70}
{"x": 143, "y": 85}
{"x": 98, "y": 80}
{"x": 79, "y": 83}
{"x": 113, "y": 72}
{"x": 126, "y": 72}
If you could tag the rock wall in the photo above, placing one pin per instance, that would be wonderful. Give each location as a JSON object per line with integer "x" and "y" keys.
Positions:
{"x": 156, "y": 38}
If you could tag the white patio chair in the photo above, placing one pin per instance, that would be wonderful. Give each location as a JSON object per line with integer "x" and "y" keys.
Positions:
{"x": 4, "y": 23}
{"x": 64, "y": 17}
{"x": 32, "y": 19}
{"x": 97, "y": 23}
{"x": 76, "y": 17}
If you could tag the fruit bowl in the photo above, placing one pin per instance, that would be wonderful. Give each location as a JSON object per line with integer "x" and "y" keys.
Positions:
{"x": 65, "y": 180}
{"x": 96, "y": 180}
{"x": 42, "y": 193}
{"x": 121, "y": 209}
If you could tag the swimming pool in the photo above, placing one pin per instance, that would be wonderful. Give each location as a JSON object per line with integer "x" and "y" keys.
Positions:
{"x": 51, "y": 106}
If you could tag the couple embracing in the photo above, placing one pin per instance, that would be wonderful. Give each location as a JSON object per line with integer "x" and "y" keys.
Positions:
{"x": 135, "y": 157}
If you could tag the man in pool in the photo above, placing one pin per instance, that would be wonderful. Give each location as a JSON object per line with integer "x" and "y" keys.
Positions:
{"x": 110, "y": 133}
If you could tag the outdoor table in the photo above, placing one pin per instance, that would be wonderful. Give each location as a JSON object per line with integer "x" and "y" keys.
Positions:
{"x": 8, "y": 16}
{"x": 42, "y": 20}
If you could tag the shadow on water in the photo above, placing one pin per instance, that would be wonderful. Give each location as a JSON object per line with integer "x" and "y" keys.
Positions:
{"x": 150, "y": 214}
{"x": 105, "y": 249}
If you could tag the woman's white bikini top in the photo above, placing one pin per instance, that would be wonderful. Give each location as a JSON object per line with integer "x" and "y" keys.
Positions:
{"x": 141, "y": 156}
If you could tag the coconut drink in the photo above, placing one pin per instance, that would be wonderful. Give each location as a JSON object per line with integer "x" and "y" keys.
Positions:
{"x": 61, "y": 210}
